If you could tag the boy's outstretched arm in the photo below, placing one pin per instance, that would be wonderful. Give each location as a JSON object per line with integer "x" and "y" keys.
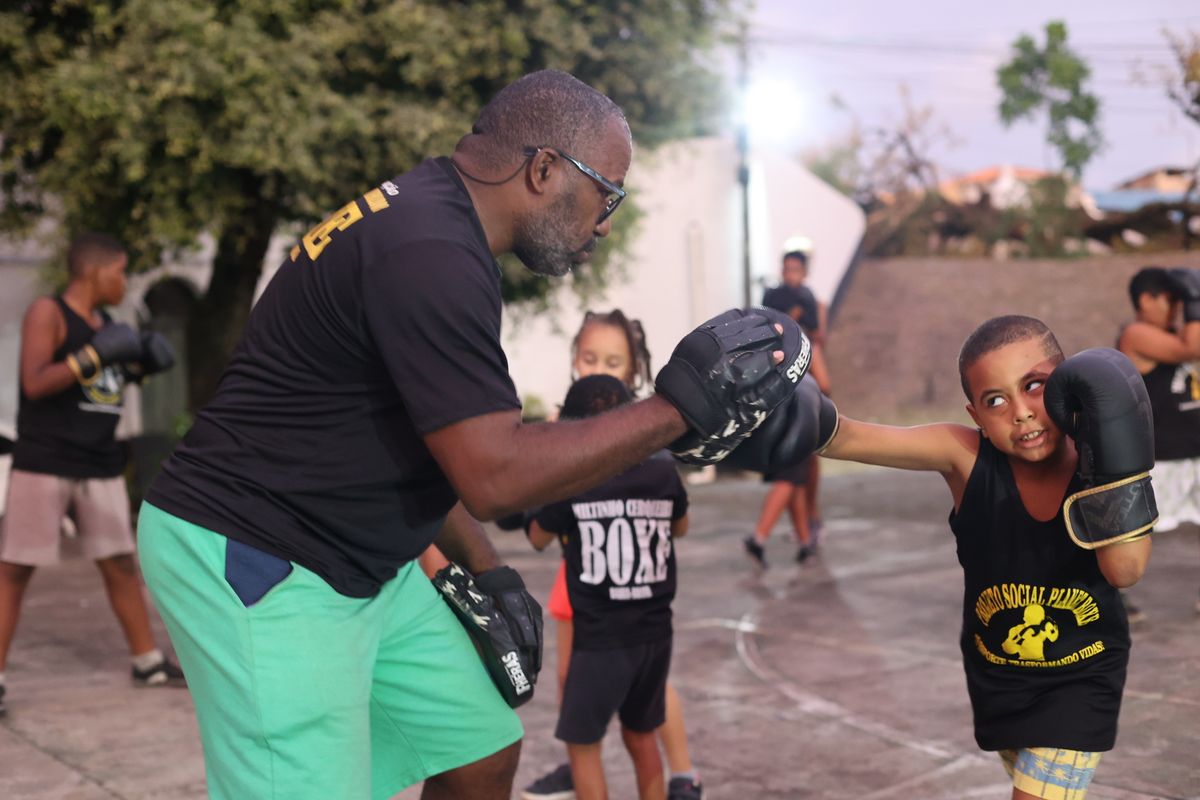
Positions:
{"x": 941, "y": 447}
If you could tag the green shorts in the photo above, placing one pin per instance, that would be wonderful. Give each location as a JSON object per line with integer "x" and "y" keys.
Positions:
{"x": 311, "y": 694}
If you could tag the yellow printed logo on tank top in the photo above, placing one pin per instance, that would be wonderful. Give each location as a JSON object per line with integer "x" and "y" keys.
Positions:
{"x": 103, "y": 392}
{"x": 1033, "y": 618}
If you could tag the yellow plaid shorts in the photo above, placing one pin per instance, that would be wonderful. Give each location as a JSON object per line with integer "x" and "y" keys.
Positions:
{"x": 1051, "y": 773}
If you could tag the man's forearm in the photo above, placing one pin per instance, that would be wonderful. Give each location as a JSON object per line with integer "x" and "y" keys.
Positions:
{"x": 562, "y": 459}
{"x": 464, "y": 541}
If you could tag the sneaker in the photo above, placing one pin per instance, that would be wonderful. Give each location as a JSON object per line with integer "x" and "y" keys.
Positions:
{"x": 554, "y": 785}
{"x": 755, "y": 551}
{"x": 803, "y": 554}
{"x": 165, "y": 673}
{"x": 684, "y": 789}
{"x": 1134, "y": 613}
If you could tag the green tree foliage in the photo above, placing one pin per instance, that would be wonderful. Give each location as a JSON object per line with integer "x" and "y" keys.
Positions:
{"x": 1052, "y": 78}
{"x": 162, "y": 120}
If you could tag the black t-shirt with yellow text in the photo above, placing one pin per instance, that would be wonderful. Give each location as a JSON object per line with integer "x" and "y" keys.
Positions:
{"x": 381, "y": 326}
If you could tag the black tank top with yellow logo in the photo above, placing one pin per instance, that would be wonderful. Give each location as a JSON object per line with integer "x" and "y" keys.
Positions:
{"x": 1174, "y": 391}
{"x": 1045, "y": 639}
{"x": 72, "y": 433}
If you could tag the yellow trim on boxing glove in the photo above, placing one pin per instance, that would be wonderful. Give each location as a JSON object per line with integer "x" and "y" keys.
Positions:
{"x": 77, "y": 368}
{"x": 1139, "y": 520}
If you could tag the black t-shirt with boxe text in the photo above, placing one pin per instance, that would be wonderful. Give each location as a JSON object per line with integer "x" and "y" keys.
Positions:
{"x": 381, "y": 326}
{"x": 620, "y": 557}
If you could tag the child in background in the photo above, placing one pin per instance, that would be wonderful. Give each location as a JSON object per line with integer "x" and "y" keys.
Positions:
{"x": 1163, "y": 354}
{"x": 621, "y": 599}
{"x": 612, "y": 344}
{"x": 794, "y": 488}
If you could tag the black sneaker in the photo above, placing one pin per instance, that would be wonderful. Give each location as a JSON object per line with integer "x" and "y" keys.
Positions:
{"x": 554, "y": 785}
{"x": 3, "y": 707}
{"x": 755, "y": 551}
{"x": 803, "y": 554}
{"x": 684, "y": 789}
{"x": 164, "y": 673}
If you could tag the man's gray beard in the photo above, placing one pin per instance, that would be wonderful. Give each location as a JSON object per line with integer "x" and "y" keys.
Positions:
{"x": 541, "y": 242}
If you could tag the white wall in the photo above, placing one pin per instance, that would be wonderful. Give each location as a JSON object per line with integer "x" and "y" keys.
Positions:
{"x": 685, "y": 265}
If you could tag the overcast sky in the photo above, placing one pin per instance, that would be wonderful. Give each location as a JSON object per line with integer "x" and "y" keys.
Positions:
{"x": 947, "y": 52}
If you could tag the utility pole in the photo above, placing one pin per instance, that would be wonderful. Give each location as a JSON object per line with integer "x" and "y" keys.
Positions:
{"x": 743, "y": 148}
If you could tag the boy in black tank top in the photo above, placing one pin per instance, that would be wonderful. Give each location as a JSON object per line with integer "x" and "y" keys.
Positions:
{"x": 1045, "y": 639}
{"x": 66, "y": 460}
{"x": 1164, "y": 352}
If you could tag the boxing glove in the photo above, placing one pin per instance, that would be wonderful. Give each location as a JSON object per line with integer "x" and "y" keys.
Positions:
{"x": 1098, "y": 399}
{"x": 724, "y": 382}
{"x": 1187, "y": 284}
{"x": 805, "y": 423}
{"x": 503, "y": 620}
{"x": 156, "y": 356}
{"x": 115, "y": 343}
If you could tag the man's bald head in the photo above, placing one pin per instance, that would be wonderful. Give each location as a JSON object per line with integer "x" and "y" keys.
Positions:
{"x": 543, "y": 109}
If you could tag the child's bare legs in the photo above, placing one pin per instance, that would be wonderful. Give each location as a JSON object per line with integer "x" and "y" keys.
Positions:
{"x": 14, "y": 578}
{"x": 587, "y": 771}
{"x": 564, "y": 634}
{"x": 1019, "y": 795}
{"x": 673, "y": 735}
{"x": 647, "y": 765}
{"x": 777, "y": 499}
{"x": 798, "y": 508}
{"x": 810, "y": 491}
{"x": 124, "y": 589}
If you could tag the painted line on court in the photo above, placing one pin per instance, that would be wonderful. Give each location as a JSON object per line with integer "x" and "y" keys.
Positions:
{"x": 809, "y": 703}
{"x": 747, "y": 650}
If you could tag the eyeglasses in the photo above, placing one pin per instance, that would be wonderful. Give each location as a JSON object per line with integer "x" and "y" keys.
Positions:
{"x": 615, "y": 193}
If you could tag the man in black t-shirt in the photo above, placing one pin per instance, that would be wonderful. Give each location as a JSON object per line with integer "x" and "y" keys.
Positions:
{"x": 366, "y": 413}
{"x": 618, "y": 546}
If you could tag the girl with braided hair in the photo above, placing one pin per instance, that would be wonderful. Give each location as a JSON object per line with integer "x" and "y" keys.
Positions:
{"x": 610, "y": 343}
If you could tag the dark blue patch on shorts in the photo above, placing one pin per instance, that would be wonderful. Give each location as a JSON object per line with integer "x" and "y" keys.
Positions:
{"x": 252, "y": 573}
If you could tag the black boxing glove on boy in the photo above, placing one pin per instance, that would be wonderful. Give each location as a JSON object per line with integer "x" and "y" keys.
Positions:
{"x": 115, "y": 343}
{"x": 805, "y": 423}
{"x": 1187, "y": 284}
{"x": 157, "y": 356}
{"x": 722, "y": 379}
{"x": 1098, "y": 399}
{"x": 503, "y": 620}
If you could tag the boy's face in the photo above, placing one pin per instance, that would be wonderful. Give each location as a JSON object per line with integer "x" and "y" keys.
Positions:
{"x": 109, "y": 280}
{"x": 795, "y": 271}
{"x": 1159, "y": 310}
{"x": 1007, "y": 385}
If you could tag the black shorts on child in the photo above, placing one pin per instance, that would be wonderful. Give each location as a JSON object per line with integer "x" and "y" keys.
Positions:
{"x": 629, "y": 681}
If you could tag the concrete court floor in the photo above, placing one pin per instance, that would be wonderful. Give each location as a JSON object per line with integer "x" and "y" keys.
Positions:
{"x": 836, "y": 679}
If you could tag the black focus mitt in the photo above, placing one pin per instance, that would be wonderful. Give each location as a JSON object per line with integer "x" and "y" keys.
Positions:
{"x": 503, "y": 620}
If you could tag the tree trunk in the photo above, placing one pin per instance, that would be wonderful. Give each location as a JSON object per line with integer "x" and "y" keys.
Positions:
{"x": 218, "y": 319}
